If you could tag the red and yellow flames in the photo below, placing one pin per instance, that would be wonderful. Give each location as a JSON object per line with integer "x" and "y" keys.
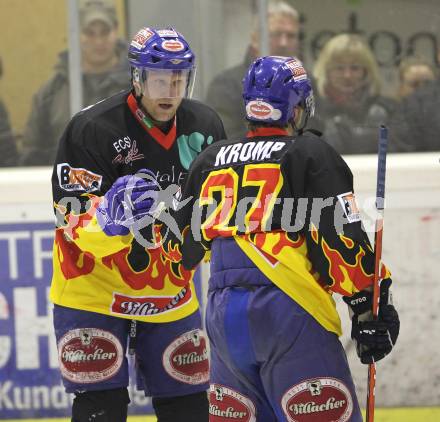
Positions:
{"x": 73, "y": 261}
{"x": 156, "y": 274}
{"x": 349, "y": 277}
{"x": 162, "y": 265}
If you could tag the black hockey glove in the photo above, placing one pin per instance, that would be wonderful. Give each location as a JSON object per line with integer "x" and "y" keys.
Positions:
{"x": 374, "y": 338}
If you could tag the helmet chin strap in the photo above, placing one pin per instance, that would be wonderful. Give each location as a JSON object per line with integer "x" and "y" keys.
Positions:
{"x": 139, "y": 101}
{"x": 292, "y": 123}
{"x": 137, "y": 85}
{"x": 138, "y": 97}
{"x": 133, "y": 90}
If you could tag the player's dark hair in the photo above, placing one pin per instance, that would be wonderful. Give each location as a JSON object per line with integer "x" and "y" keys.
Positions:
{"x": 252, "y": 126}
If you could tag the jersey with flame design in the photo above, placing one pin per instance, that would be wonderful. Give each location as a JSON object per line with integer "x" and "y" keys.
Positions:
{"x": 117, "y": 275}
{"x": 289, "y": 204}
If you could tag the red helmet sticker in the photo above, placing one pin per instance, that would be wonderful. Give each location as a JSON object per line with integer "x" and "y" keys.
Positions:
{"x": 173, "y": 45}
{"x": 297, "y": 69}
{"x": 186, "y": 358}
{"x": 323, "y": 399}
{"x": 226, "y": 404}
{"x": 141, "y": 38}
{"x": 89, "y": 355}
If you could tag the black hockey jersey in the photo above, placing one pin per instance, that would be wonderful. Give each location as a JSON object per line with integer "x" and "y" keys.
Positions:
{"x": 289, "y": 204}
{"x": 117, "y": 275}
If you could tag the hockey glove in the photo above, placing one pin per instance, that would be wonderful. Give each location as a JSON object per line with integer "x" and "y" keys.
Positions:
{"x": 129, "y": 199}
{"x": 374, "y": 338}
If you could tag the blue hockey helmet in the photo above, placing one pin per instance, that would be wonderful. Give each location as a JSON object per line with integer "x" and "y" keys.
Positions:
{"x": 162, "y": 52}
{"x": 273, "y": 86}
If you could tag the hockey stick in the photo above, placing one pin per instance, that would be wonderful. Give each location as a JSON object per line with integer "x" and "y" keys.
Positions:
{"x": 380, "y": 205}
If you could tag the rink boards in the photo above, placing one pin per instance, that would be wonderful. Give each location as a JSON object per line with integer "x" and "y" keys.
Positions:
{"x": 29, "y": 380}
{"x": 381, "y": 415}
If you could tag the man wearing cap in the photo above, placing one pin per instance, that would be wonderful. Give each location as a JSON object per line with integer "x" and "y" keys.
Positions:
{"x": 224, "y": 92}
{"x": 104, "y": 72}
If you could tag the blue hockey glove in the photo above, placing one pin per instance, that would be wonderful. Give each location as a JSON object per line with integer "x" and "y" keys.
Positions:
{"x": 375, "y": 338}
{"x": 129, "y": 199}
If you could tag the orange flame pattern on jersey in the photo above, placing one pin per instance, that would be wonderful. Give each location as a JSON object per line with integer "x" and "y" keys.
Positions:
{"x": 162, "y": 265}
{"x": 285, "y": 241}
{"x": 347, "y": 241}
{"x": 259, "y": 240}
{"x": 158, "y": 271}
{"x": 314, "y": 233}
{"x": 73, "y": 261}
{"x": 76, "y": 221}
{"x": 172, "y": 252}
{"x": 347, "y": 278}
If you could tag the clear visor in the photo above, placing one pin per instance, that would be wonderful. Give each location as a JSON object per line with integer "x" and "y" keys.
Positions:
{"x": 165, "y": 83}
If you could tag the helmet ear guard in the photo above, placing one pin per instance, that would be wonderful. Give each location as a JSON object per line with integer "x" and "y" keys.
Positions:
{"x": 136, "y": 81}
{"x": 307, "y": 111}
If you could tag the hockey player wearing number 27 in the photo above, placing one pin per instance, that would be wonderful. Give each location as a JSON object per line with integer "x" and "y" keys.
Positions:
{"x": 271, "y": 319}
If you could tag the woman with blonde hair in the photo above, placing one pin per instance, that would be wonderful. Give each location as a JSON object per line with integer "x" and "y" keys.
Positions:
{"x": 349, "y": 105}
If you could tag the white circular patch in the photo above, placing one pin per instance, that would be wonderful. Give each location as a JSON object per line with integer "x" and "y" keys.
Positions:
{"x": 173, "y": 45}
{"x": 326, "y": 399}
{"x": 228, "y": 404}
{"x": 89, "y": 355}
{"x": 262, "y": 111}
{"x": 276, "y": 114}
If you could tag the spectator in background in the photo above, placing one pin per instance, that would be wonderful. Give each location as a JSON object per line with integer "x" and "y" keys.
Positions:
{"x": 349, "y": 106}
{"x": 413, "y": 74}
{"x": 416, "y": 123}
{"x": 105, "y": 72}
{"x": 224, "y": 92}
{"x": 8, "y": 150}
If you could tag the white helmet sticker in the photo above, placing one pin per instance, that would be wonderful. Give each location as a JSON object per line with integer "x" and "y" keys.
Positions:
{"x": 173, "y": 45}
{"x": 261, "y": 110}
{"x": 167, "y": 33}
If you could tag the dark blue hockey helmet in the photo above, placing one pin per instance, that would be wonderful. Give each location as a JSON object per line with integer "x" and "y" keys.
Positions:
{"x": 273, "y": 86}
{"x": 163, "y": 51}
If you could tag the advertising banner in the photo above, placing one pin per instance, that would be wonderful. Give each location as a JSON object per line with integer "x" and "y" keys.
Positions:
{"x": 30, "y": 382}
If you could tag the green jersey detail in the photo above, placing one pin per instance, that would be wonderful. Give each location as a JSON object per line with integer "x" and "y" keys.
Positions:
{"x": 190, "y": 146}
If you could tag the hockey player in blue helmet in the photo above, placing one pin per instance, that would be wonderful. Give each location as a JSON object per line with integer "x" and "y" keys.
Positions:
{"x": 113, "y": 161}
{"x": 278, "y": 255}
{"x": 278, "y": 93}
{"x": 162, "y": 70}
